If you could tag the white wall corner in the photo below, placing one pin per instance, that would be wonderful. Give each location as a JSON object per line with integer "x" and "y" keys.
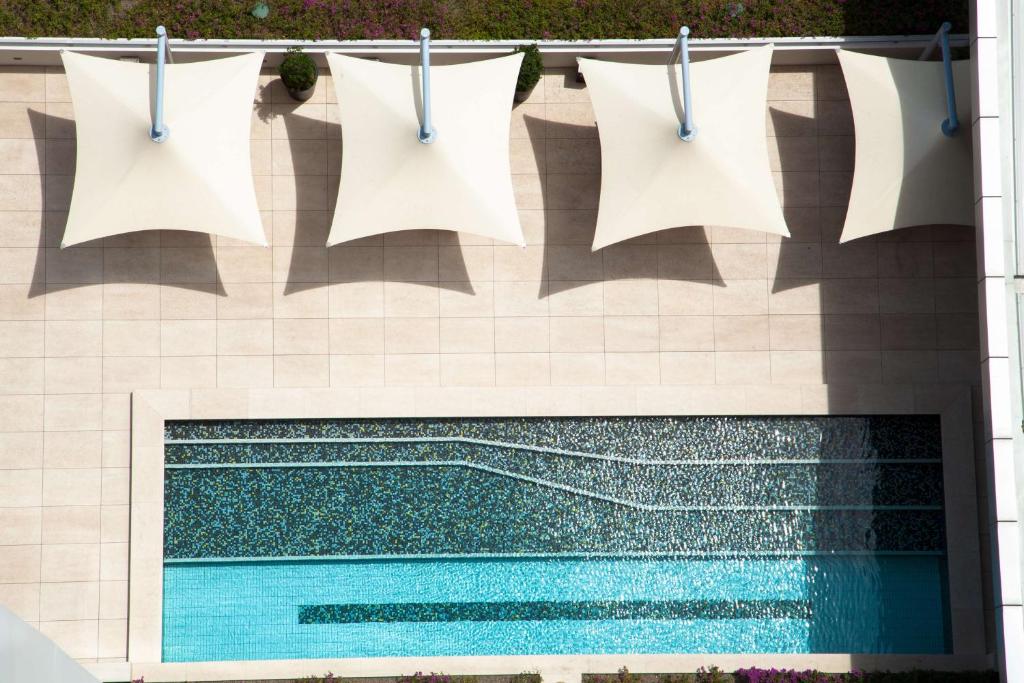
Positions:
{"x": 1010, "y": 635}
{"x": 992, "y": 239}
{"x": 988, "y": 74}
{"x": 995, "y": 379}
{"x": 1002, "y": 481}
{"x": 993, "y": 305}
{"x": 1007, "y": 588}
{"x": 988, "y": 158}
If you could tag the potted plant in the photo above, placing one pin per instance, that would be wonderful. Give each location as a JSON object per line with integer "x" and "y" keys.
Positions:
{"x": 298, "y": 73}
{"x": 529, "y": 72}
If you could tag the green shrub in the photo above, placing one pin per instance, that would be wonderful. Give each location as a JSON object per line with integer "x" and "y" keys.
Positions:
{"x": 529, "y": 72}
{"x": 476, "y": 19}
{"x": 298, "y": 70}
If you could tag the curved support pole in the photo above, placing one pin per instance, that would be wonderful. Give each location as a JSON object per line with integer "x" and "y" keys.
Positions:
{"x": 159, "y": 132}
{"x": 687, "y": 131}
{"x": 952, "y": 124}
{"x": 426, "y": 133}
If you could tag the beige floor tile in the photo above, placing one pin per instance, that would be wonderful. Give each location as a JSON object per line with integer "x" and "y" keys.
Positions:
{"x": 577, "y": 334}
{"x": 467, "y": 369}
{"x": 742, "y": 367}
{"x": 70, "y": 562}
{"x": 235, "y": 372}
{"x": 69, "y": 601}
{"x": 412, "y": 369}
{"x": 522, "y": 369}
{"x": 358, "y": 370}
{"x": 687, "y": 367}
{"x": 20, "y": 526}
{"x": 21, "y": 375}
{"x": 71, "y": 412}
{"x": 114, "y": 523}
{"x": 412, "y": 299}
{"x": 797, "y": 367}
{"x": 21, "y": 450}
{"x": 67, "y": 338}
{"x": 741, "y": 297}
{"x": 22, "y": 84}
{"x": 22, "y": 599}
{"x": 131, "y": 338}
{"x": 631, "y": 297}
{"x": 577, "y": 368}
{"x": 21, "y": 413}
{"x": 302, "y": 371}
{"x": 113, "y": 600}
{"x": 301, "y": 336}
{"x": 356, "y": 335}
{"x": 112, "y": 639}
{"x": 66, "y": 487}
{"x": 129, "y": 301}
{"x": 741, "y": 333}
{"x": 19, "y": 564}
{"x": 411, "y": 335}
{"x": 851, "y": 366}
{"x": 468, "y": 335}
{"x": 72, "y": 450}
{"x": 356, "y": 299}
{"x": 21, "y": 488}
{"x": 632, "y": 368}
{"x": 76, "y": 638}
{"x": 188, "y": 372}
{"x": 521, "y": 334}
{"x": 631, "y": 334}
{"x": 796, "y": 332}
{"x": 74, "y": 375}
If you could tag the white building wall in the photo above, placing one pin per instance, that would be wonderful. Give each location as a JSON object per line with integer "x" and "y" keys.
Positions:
{"x": 996, "y": 58}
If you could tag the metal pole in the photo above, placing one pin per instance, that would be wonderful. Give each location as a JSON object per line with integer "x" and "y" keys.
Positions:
{"x": 159, "y": 131}
{"x": 687, "y": 131}
{"x": 927, "y": 52}
{"x": 952, "y": 123}
{"x": 426, "y": 133}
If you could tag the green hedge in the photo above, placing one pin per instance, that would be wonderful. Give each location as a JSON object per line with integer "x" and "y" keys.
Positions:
{"x": 477, "y": 19}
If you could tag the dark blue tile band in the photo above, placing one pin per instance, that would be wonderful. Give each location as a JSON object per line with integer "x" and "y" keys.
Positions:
{"x": 585, "y": 610}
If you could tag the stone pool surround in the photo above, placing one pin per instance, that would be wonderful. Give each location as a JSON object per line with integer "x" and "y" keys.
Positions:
{"x": 151, "y": 408}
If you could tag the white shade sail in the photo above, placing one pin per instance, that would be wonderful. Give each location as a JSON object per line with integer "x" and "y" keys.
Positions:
{"x": 907, "y": 171}
{"x": 650, "y": 179}
{"x": 199, "y": 179}
{"x": 390, "y": 181}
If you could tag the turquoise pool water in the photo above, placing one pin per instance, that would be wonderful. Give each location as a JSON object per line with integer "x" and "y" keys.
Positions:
{"x": 382, "y": 538}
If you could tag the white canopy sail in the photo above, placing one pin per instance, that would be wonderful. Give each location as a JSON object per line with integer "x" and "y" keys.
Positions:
{"x": 390, "y": 181}
{"x": 907, "y": 171}
{"x": 650, "y": 179}
{"x": 199, "y": 179}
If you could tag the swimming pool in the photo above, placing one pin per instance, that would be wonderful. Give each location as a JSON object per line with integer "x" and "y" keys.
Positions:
{"x": 373, "y": 538}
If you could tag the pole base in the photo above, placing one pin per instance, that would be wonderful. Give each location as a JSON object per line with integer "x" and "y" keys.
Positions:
{"x": 159, "y": 135}
{"x": 687, "y": 135}
{"x": 425, "y": 137}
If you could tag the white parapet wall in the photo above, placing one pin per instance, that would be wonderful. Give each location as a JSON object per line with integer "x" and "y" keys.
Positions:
{"x": 997, "y": 57}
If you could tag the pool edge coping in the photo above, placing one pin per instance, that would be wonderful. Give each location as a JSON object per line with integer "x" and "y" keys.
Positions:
{"x": 150, "y": 408}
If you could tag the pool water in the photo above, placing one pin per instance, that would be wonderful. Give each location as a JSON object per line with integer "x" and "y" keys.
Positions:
{"x": 383, "y": 538}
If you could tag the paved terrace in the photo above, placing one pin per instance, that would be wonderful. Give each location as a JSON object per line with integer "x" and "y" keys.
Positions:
{"x": 802, "y": 323}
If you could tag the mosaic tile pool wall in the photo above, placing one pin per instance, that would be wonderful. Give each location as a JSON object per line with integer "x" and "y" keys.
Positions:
{"x": 409, "y": 537}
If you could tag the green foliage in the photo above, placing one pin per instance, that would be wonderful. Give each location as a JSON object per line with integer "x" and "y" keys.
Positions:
{"x": 298, "y": 70}
{"x": 529, "y": 72}
{"x": 476, "y": 19}
{"x": 525, "y": 677}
